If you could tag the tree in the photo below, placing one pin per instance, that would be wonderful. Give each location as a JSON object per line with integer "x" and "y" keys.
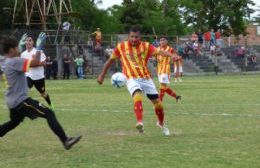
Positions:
{"x": 223, "y": 14}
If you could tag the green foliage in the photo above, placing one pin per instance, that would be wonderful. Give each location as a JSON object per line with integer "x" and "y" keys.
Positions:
{"x": 6, "y": 7}
{"x": 223, "y": 14}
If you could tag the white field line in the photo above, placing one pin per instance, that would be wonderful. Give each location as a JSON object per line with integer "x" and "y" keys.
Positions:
{"x": 174, "y": 113}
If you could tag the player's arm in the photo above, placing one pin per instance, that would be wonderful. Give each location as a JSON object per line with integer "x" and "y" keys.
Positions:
{"x": 36, "y": 61}
{"x": 109, "y": 62}
{"x": 174, "y": 56}
{"x": 107, "y": 65}
{"x": 156, "y": 51}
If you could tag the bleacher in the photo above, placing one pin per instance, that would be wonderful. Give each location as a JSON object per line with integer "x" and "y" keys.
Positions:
{"x": 244, "y": 63}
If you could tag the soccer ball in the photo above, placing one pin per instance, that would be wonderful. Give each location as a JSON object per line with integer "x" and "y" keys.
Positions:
{"x": 118, "y": 80}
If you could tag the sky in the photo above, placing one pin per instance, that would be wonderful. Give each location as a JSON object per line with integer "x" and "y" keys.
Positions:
{"x": 109, "y": 3}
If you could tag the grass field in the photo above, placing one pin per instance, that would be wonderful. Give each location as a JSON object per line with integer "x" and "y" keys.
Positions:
{"x": 216, "y": 125}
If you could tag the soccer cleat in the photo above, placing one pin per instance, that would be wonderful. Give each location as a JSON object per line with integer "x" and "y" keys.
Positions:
{"x": 180, "y": 80}
{"x": 178, "y": 98}
{"x": 71, "y": 141}
{"x": 165, "y": 130}
{"x": 140, "y": 127}
{"x": 175, "y": 80}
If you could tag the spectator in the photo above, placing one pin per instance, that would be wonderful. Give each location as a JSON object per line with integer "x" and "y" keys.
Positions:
{"x": 194, "y": 37}
{"x": 200, "y": 39}
{"x": 54, "y": 69}
{"x": 108, "y": 52}
{"x": 196, "y": 48}
{"x": 212, "y": 37}
{"x": 66, "y": 66}
{"x": 79, "y": 64}
{"x": 218, "y": 39}
{"x": 65, "y": 31}
{"x": 48, "y": 67}
{"x": 90, "y": 43}
{"x": 240, "y": 52}
{"x": 212, "y": 50}
{"x": 253, "y": 58}
{"x": 156, "y": 42}
{"x": 98, "y": 36}
{"x": 207, "y": 38}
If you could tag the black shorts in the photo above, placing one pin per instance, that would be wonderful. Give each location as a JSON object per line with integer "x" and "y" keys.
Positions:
{"x": 38, "y": 84}
{"x": 29, "y": 108}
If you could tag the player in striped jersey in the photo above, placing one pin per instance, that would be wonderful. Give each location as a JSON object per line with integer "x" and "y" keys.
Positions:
{"x": 134, "y": 55}
{"x": 164, "y": 70}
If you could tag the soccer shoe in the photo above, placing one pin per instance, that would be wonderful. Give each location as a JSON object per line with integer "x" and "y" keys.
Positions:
{"x": 180, "y": 80}
{"x": 178, "y": 98}
{"x": 140, "y": 127}
{"x": 175, "y": 80}
{"x": 71, "y": 141}
{"x": 165, "y": 130}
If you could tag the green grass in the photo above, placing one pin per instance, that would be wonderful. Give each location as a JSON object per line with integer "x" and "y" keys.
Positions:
{"x": 216, "y": 125}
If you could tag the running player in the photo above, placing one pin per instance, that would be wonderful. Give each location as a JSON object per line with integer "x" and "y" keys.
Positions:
{"x": 164, "y": 70}
{"x": 35, "y": 76}
{"x": 134, "y": 55}
{"x": 17, "y": 100}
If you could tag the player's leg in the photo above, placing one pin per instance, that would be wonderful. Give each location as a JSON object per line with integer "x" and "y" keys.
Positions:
{"x": 159, "y": 111}
{"x": 151, "y": 92}
{"x": 135, "y": 90}
{"x": 163, "y": 87}
{"x": 29, "y": 82}
{"x": 15, "y": 119}
{"x": 164, "y": 80}
{"x": 40, "y": 86}
{"x": 34, "y": 109}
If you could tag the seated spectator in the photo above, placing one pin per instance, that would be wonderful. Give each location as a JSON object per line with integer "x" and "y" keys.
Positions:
{"x": 240, "y": 52}
{"x": 253, "y": 58}
{"x": 218, "y": 50}
{"x": 212, "y": 50}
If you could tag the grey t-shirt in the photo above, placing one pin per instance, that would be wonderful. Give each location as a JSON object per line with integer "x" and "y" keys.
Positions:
{"x": 17, "y": 88}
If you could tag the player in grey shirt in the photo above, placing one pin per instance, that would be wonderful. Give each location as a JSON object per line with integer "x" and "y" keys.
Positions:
{"x": 17, "y": 99}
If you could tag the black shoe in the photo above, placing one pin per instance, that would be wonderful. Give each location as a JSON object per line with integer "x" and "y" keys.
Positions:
{"x": 71, "y": 141}
{"x": 178, "y": 98}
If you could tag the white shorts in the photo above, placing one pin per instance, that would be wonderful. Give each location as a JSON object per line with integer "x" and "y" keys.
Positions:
{"x": 164, "y": 78}
{"x": 178, "y": 69}
{"x": 145, "y": 85}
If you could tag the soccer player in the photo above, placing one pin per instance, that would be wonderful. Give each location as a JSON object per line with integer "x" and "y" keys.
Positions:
{"x": 134, "y": 55}
{"x": 164, "y": 70}
{"x": 35, "y": 76}
{"x": 178, "y": 70}
{"x": 17, "y": 100}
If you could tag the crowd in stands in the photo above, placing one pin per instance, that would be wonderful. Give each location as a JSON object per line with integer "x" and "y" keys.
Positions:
{"x": 198, "y": 41}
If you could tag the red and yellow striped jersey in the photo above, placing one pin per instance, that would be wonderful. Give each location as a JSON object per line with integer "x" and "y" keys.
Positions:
{"x": 134, "y": 58}
{"x": 163, "y": 63}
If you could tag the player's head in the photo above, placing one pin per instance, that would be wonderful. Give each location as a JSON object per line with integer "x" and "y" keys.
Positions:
{"x": 29, "y": 42}
{"x": 163, "y": 41}
{"x": 134, "y": 35}
{"x": 10, "y": 46}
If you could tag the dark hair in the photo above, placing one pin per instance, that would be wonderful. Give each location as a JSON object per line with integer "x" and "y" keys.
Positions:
{"x": 164, "y": 37}
{"x": 8, "y": 43}
{"x": 135, "y": 29}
